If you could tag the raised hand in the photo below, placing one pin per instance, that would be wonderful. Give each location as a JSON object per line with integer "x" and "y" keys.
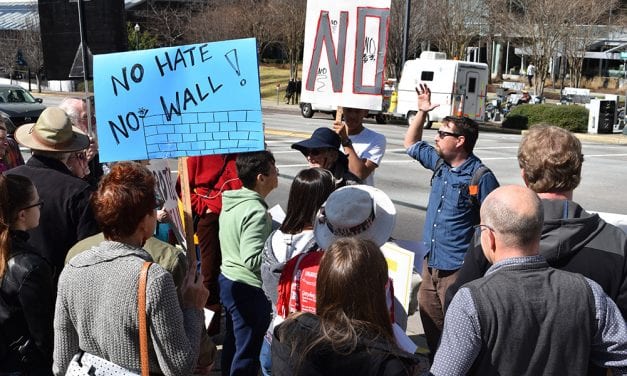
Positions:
{"x": 424, "y": 98}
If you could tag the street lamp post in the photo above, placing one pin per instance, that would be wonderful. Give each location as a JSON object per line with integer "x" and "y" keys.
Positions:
{"x": 137, "y": 36}
{"x": 406, "y": 32}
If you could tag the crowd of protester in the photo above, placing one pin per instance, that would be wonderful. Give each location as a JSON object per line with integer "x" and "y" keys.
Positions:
{"x": 516, "y": 280}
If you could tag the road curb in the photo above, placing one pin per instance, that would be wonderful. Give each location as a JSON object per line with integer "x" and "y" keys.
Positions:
{"x": 279, "y": 132}
{"x": 609, "y": 139}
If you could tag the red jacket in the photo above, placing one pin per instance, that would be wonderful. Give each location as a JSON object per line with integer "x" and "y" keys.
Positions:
{"x": 209, "y": 176}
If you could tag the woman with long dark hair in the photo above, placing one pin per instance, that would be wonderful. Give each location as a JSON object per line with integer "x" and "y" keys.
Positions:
{"x": 309, "y": 190}
{"x": 352, "y": 331}
{"x": 26, "y": 284}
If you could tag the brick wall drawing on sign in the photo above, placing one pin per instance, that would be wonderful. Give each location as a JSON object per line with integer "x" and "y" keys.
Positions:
{"x": 200, "y": 133}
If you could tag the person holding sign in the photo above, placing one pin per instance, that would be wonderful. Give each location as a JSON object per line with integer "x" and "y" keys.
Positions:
{"x": 244, "y": 227}
{"x": 209, "y": 177}
{"x": 96, "y": 308}
{"x": 453, "y": 207}
{"x": 364, "y": 147}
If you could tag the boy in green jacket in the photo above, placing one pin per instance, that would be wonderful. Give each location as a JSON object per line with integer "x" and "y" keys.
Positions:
{"x": 244, "y": 227}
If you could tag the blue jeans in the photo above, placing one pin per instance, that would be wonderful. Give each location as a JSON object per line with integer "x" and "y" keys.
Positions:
{"x": 248, "y": 314}
{"x": 266, "y": 357}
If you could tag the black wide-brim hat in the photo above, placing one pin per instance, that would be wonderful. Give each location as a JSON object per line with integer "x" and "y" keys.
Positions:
{"x": 321, "y": 138}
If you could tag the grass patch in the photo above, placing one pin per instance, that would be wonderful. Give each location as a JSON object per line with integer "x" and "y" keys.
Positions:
{"x": 573, "y": 118}
{"x": 270, "y": 75}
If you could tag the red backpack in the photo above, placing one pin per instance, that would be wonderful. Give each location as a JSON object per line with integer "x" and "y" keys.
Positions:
{"x": 297, "y": 285}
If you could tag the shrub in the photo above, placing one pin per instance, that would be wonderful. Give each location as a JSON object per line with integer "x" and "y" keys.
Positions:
{"x": 573, "y": 118}
{"x": 513, "y": 121}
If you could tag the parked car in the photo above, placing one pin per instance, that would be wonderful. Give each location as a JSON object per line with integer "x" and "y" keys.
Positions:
{"x": 19, "y": 105}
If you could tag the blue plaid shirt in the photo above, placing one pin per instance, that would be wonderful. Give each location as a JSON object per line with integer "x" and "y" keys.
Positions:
{"x": 450, "y": 215}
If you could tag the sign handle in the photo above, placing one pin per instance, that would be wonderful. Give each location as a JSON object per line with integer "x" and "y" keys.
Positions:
{"x": 188, "y": 220}
{"x": 339, "y": 113}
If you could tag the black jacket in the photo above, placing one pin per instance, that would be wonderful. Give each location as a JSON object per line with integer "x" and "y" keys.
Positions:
{"x": 572, "y": 240}
{"x": 372, "y": 357}
{"x": 66, "y": 216}
{"x": 27, "y": 299}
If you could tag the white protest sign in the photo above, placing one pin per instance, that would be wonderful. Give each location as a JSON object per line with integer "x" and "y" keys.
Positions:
{"x": 345, "y": 46}
{"x": 166, "y": 189}
{"x": 400, "y": 265}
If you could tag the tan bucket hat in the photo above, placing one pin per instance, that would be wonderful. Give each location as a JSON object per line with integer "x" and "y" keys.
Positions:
{"x": 53, "y": 131}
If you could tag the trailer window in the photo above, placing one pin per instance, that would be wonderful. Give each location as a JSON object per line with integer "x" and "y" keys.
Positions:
{"x": 472, "y": 83}
{"x": 426, "y": 76}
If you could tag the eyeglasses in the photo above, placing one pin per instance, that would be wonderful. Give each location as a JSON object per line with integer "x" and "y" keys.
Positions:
{"x": 81, "y": 156}
{"x": 39, "y": 203}
{"x": 443, "y": 134}
{"x": 480, "y": 228}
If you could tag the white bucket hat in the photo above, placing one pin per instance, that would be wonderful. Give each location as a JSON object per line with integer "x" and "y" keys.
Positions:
{"x": 358, "y": 211}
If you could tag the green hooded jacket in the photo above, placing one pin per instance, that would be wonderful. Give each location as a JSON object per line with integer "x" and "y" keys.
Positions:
{"x": 244, "y": 227}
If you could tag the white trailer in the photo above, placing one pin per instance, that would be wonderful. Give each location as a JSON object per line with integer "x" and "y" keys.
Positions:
{"x": 459, "y": 87}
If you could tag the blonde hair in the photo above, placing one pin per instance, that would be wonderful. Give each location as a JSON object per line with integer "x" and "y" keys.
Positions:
{"x": 551, "y": 159}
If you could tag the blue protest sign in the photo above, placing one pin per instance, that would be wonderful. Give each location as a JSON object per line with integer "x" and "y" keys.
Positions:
{"x": 180, "y": 101}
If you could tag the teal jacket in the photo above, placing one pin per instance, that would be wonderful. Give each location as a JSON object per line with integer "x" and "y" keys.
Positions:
{"x": 244, "y": 227}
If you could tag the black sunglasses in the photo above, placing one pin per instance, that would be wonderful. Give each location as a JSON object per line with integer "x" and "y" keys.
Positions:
{"x": 443, "y": 134}
{"x": 39, "y": 203}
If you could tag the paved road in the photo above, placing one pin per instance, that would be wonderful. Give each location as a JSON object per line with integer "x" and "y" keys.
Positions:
{"x": 407, "y": 183}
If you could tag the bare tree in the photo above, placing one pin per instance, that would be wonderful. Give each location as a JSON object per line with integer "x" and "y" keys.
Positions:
{"x": 289, "y": 21}
{"x": 578, "y": 37}
{"x": 222, "y": 20}
{"x": 29, "y": 41}
{"x": 9, "y": 44}
{"x": 215, "y": 22}
{"x": 169, "y": 22}
{"x": 552, "y": 28}
{"x": 419, "y": 33}
{"x": 456, "y": 24}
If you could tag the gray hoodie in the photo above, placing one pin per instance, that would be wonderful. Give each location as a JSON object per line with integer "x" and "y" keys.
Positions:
{"x": 572, "y": 240}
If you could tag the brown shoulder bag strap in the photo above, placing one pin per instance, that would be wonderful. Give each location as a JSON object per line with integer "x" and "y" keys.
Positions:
{"x": 141, "y": 313}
